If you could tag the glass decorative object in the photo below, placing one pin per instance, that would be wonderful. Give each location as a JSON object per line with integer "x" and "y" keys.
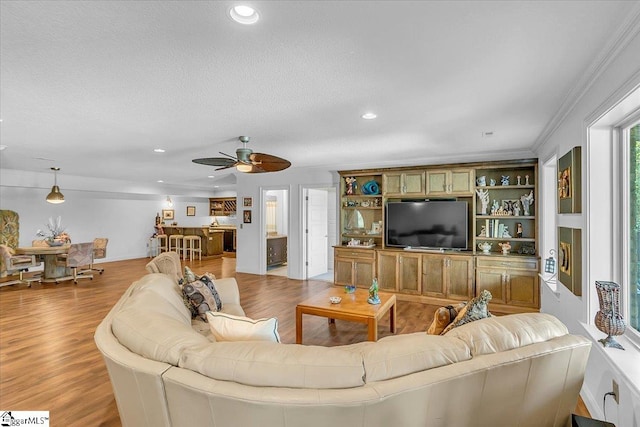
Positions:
{"x": 373, "y": 293}
{"x": 608, "y": 319}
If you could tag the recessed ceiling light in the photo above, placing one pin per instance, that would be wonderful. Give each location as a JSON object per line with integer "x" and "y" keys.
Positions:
{"x": 3, "y": 147}
{"x": 160, "y": 180}
{"x": 159, "y": 150}
{"x": 244, "y": 14}
{"x": 487, "y": 134}
{"x": 210, "y": 176}
{"x": 369, "y": 116}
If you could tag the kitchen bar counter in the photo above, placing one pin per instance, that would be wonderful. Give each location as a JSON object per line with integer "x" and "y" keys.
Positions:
{"x": 212, "y": 239}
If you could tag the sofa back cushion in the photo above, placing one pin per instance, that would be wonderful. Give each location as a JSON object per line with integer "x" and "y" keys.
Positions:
{"x": 398, "y": 355}
{"x": 502, "y": 333}
{"x": 267, "y": 364}
{"x": 154, "y": 323}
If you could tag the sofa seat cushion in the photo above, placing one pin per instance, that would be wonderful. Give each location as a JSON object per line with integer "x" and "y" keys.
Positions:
{"x": 267, "y": 364}
{"x": 398, "y": 355}
{"x": 502, "y": 333}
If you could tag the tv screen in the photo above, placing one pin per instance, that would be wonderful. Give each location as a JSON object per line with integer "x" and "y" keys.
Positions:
{"x": 427, "y": 224}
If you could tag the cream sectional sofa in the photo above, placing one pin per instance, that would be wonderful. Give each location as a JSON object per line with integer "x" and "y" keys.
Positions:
{"x": 166, "y": 370}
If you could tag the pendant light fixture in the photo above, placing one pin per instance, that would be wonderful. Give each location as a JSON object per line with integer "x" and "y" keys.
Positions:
{"x": 55, "y": 196}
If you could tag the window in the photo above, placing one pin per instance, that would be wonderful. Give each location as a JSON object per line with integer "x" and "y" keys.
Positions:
{"x": 631, "y": 138}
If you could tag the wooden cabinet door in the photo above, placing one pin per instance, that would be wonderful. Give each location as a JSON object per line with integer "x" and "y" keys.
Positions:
{"x": 493, "y": 281}
{"x": 522, "y": 288}
{"x": 387, "y": 270}
{"x": 433, "y": 276}
{"x": 409, "y": 273}
{"x": 343, "y": 271}
{"x": 459, "y": 278}
{"x": 363, "y": 273}
{"x": 462, "y": 181}
{"x": 437, "y": 182}
{"x": 392, "y": 183}
{"x": 413, "y": 183}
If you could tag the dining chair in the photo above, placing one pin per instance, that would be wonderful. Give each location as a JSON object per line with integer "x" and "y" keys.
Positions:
{"x": 79, "y": 255}
{"x": 99, "y": 252}
{"x": 17, "y": 264}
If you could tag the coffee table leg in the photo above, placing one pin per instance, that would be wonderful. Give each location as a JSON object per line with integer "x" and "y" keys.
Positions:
{"x": 392, "y": 318}
{"x": 298, "y": 326}
{"x": 372, "y": 326}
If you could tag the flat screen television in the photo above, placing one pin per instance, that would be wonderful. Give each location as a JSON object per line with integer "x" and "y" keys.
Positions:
{"x": 432, "y": 224}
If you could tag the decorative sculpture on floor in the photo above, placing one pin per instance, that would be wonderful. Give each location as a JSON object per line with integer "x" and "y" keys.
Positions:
{"x": 373, "y": 293}
{"x": 608, "y": 318}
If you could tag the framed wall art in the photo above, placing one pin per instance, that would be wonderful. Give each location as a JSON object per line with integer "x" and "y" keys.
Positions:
{"x": 191, "y": 211}
{"x": 570, "y": 182}
{"x": 168, "y": 214}
{"x": 246, "y": 217}
{"x": 570, "y": 259}
{"x": 248, "y": 202}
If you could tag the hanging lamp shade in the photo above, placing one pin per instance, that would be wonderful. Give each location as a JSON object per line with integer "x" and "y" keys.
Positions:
{"x": 55, "y": 196}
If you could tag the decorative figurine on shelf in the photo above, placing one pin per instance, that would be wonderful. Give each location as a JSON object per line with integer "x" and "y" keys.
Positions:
{"x": 483, "y": 195}
{"x": 373, "y": 293}
{"x": 518, "y": 179}
{"x": 519, "y": 230}
{"x": 483, "y": 231}
{"x": 608, "y": 318}
{"x": 527, "y": 200}
{"x": 492, "y": 182}
{"x": 516, "y": 208}
{"x": 481, "y": 181}
{"x": 494, "y": 207}
{"x": 506, "y": 247}
{"x": 157, "y": 219}
{"x": 526, "y": 180}
{"x": 352, "y": 185}
{"x": 485, "y": 247}
{"x": 506, "y": 233}
{"x": 504, "y": 180}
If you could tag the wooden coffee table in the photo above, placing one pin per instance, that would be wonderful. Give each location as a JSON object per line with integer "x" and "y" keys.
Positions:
{"x": 353, "y": 307}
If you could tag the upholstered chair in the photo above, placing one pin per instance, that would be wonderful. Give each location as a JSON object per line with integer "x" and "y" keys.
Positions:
{"x": 99, "y": 252}
{"x": 167, "y": 263}
{"x": 17, "y": 264}
{"x": 79, "y": 255}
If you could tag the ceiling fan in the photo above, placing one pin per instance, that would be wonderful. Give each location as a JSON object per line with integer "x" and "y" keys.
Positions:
{"x": 246, "y": 160}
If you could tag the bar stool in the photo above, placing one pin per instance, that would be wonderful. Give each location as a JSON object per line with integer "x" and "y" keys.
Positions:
{"x": 175, "y": 243}
{"x": 163, "y": 244}
{"x": 192, "y": 244}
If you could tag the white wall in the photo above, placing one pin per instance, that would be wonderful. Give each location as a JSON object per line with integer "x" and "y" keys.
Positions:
{"x": 127, "y": 220}
{"x": 250, "y": 185}
{"x": 623, "y": 71}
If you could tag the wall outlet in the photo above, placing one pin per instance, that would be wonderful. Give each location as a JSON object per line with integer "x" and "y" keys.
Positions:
{"x": 616, "y": 391}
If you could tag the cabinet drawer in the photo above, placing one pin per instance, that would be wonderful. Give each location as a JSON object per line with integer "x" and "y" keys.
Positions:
{"x": 355, "y": 253}
{"x": 510, "y": 263}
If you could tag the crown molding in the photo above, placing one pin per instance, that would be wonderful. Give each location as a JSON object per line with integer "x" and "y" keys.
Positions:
{"x": 626, "y": 32}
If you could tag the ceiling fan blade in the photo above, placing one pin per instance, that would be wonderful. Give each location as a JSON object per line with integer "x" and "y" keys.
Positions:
{"x": 224, "y": 167}
{"x": 267, "y": 163}
{"x": 228, "y": 155}
{"x": 215, "y": 161}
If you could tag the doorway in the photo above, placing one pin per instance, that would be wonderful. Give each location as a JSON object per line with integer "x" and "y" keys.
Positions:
{"x": 320, "y": 235}
{"x": 276, "y": 223}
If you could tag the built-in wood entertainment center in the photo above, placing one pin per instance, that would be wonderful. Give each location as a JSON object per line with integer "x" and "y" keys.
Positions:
{"x": 502, "y": 214}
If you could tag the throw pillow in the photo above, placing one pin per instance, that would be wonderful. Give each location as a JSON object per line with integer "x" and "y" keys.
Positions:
{"x": 476, "y": 309}
{"x": 227, "y": 327}
{"x": 443, "y": 317}
{"x": 200, "y": 294}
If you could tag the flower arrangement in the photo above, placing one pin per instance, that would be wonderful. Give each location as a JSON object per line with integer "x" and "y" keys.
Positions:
{"x": 56, "y": 232}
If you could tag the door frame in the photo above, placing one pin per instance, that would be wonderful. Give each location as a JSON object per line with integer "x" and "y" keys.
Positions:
{"x": 304, "y": 218}
{"x": 263, "y": 225}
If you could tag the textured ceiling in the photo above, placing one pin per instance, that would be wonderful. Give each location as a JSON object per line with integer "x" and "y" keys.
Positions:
{"x": 93, "y": 87}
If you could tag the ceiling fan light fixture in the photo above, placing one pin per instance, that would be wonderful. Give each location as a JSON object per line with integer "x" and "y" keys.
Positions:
{"x": 55, "y": 196}
{"x": 241, "y": 167}
{"x": 244, "y": 14}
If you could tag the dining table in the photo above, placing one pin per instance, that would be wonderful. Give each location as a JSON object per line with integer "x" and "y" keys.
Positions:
{"x": 53, "y": 269}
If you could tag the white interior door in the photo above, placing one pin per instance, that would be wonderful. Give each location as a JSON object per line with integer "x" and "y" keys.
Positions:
{"x": 317, "y": 232}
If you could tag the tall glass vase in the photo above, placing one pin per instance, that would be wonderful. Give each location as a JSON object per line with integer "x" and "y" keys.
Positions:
{"x": 608, "y": 319}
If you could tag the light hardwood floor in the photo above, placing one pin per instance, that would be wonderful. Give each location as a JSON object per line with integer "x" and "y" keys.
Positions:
{"x": 48, "y": 359}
